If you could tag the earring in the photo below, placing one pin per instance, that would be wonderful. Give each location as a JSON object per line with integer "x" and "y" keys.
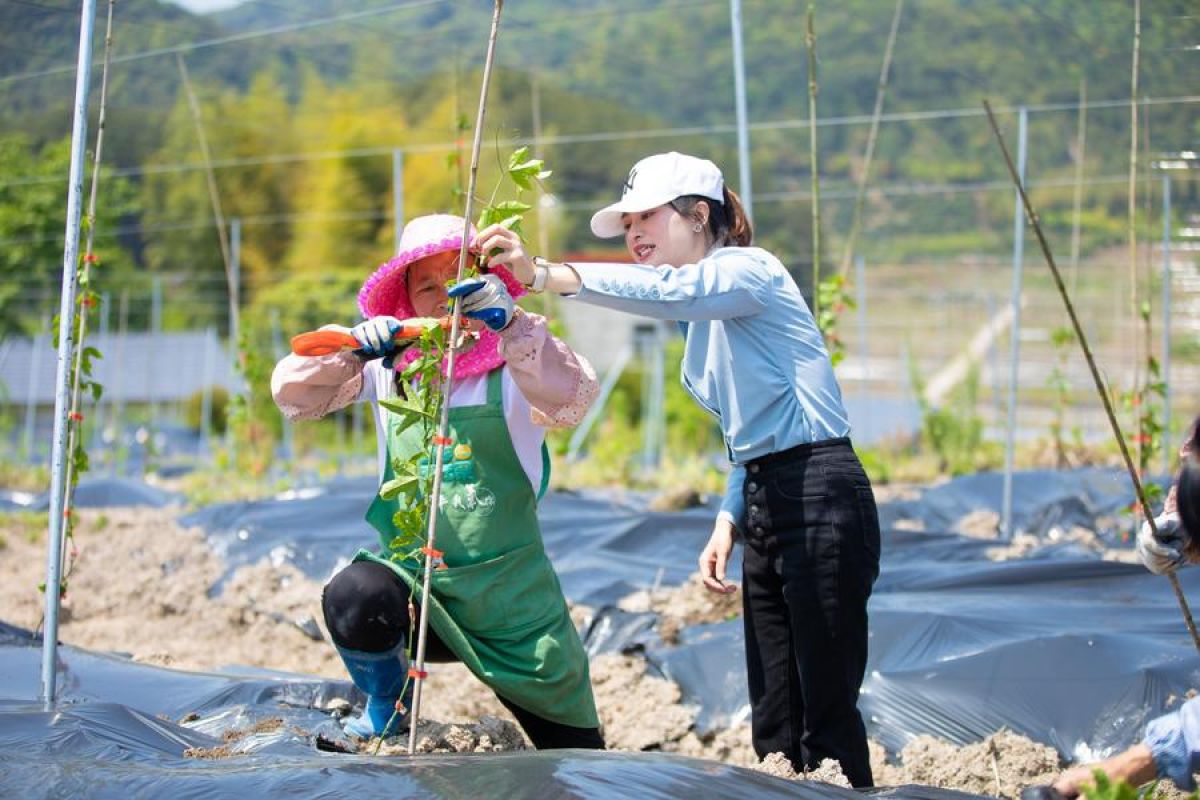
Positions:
{"x": 697, "y": 228}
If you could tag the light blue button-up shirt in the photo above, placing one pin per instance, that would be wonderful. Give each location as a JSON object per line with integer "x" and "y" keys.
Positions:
{"x": 753, "y": 355}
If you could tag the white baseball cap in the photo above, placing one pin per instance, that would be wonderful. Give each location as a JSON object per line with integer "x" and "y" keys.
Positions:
{"x": 657, "y": 180}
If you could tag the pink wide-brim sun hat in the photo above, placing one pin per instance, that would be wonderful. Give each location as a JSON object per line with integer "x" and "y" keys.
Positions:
{"x": 386, "y": 291}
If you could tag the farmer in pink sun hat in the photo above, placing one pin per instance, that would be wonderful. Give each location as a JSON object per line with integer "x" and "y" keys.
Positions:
{"x": 497, "y": 605}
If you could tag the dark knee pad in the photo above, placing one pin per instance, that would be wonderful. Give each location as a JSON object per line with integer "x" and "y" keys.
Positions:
{"x": 366, "y": 607}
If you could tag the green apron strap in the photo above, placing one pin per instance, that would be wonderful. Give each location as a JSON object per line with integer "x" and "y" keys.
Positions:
{"x": 545, "y": 471}
{"x": 495, "y": 390}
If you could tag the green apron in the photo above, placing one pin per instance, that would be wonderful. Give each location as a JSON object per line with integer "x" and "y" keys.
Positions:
{"x": 497, "y": 603}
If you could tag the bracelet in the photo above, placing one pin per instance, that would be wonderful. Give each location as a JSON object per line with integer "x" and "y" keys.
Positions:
{"x": 541, "y": 272}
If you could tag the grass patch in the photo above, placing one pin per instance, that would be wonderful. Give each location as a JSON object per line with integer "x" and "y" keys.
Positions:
{"x": 28, "y": 525}
{"x": 213, "y": 485}
{"x": 22, "y": 477}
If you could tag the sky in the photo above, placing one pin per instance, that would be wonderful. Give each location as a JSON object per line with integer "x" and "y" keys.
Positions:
{"x": 202, "y": 6}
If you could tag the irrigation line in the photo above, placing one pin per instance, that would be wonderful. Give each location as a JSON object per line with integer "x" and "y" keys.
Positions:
{"x": 244, "y": 36}
{"x": 444, "y": 423}
{"x": 608, "y": 136}
{"x": 895, "y": 189}
{"x": 1087, "y": 352}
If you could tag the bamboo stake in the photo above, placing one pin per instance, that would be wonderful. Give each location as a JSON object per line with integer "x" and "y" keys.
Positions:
{"x": 215, "y": 199}
{"x": 810, "y": 42}
{"x": 1087, "y": 352}
{"x": 444, "y": 422}
{"x": 869, "y": 155}
{"x": 76, "y": 428}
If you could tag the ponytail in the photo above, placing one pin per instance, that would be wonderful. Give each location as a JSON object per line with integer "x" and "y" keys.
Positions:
{"x": 728, "y": 225}
{"x": 740, "y": 232}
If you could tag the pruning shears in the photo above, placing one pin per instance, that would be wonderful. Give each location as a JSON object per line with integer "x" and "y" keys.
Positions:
{"x": 322, "y": 343}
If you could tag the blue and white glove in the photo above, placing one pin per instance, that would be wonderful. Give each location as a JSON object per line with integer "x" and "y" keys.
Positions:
{"x": 375, "y": 336}
{"x": 485, "y": 298}
{"x": 1162, "y": 553}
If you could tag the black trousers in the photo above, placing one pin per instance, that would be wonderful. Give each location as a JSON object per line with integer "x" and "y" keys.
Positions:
{"x": 811, "y": 556}
{"x": 366, "y": 609}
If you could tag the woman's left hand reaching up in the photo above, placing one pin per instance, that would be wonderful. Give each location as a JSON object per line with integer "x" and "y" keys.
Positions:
{"x": 485, "y": 298}
{"x": 502, "y": 247}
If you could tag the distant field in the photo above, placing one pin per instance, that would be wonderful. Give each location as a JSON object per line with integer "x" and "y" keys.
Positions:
{"x": 927, "y": 314}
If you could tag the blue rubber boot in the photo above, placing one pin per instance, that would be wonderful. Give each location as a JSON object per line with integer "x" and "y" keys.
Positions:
{"x": 380, "y": 676}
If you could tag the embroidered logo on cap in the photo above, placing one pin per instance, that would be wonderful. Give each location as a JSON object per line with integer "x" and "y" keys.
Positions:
{"x": 628, "y": 186}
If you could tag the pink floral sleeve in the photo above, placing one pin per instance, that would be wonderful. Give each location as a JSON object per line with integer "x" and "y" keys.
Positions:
{"x": 309, "y": 387}
{"x": 559, "y": 384}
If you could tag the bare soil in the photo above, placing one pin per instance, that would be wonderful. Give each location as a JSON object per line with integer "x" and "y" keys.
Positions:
{"x": 140, "y": 586}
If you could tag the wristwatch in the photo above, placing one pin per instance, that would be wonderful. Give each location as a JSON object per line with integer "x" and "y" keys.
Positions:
{"x": 541, "y": 271}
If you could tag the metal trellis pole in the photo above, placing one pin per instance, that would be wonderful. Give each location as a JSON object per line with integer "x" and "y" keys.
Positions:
{"x": 397, "y": 197}
{"x": 235, "y": 282}
{"x": 860, "y": 300}
{"x": 278, "y": 351}
{"x": 1014, "y": 367}
{"x": 206, "y": 389}
{"x": 739, "y": 90}
{"x": 31, "y": 398}
{"x": 1166, "y": 313}
{"x": 606, "y": 387}
{"x": 63, "y": 373}
{"x": 151, "y": 373}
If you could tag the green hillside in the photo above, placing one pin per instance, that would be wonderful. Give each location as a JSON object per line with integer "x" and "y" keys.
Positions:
{"x": 280, "y": 83}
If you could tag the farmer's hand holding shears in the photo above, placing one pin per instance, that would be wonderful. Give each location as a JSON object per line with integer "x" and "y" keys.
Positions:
{"x": 378, "y": 337}
{"x": 375, "y": 336}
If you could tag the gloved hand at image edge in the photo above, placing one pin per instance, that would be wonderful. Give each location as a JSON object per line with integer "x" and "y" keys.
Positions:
{"x": 1162, "y": 553}
{"x": 485, "y": 298}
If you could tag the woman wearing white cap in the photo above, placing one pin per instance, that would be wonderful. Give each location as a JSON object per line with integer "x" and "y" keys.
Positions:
{"x": 798, "y": 496}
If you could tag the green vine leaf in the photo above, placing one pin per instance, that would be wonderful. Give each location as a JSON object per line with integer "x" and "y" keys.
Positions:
{"x": 408, "y": 407}
{"x": 833, "y": 299}
{"x": 523, "y": 171}
{"x": 509, "y": 214}
{"x": 405, "y": 485}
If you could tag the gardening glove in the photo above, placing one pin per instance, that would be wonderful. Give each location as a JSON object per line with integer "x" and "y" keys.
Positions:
{"x": 485, "y": 298}
{"x": 1162, "y": 553}
{"x": 375, "y": 336}
{"x": 378, "y": 339}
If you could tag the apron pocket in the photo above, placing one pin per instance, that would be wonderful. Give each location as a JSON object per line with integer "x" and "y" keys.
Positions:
{"x": 511, "y": 592}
